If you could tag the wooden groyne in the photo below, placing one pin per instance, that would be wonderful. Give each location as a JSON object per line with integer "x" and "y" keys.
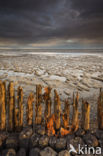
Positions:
{"x": 57, "y": 123}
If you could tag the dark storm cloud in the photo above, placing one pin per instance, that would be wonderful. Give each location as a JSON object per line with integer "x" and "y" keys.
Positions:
{"x": 88, "y": 7}
{"x": 37, "y": 21}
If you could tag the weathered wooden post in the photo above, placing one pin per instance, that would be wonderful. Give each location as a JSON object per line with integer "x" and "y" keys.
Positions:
{"x": 66, "y": 114}
{"x": 4, "y": 83}
{"x": 57, "y": 110}
{"x": 75, "y": 120}
{"x": 16, "y": 119}
{"x": 11, "y": 100}
{"x": 20, "y": 103}
{"x": 100, "y": 110}
{"x": 16, "y": 114}
{"x": 30, "y": 109}
{"x": 85, "y": 115}
{"x": 38, "y": 106}
{"x": 2, "y": 106}
{"x": 48, "y": 102}
{"x": 19, "y": 110}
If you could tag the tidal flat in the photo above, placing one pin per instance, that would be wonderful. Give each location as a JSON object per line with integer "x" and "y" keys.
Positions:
{"x": 68, "y": 73}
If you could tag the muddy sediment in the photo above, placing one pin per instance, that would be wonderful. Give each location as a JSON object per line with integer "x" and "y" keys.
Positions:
{"x": 66, "y": 73}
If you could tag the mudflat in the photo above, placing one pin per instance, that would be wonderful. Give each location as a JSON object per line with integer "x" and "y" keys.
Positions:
{"x": 67, "y": 73}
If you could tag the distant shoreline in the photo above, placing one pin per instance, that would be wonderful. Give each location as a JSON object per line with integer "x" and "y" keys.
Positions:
{"x": 71, "y": 54}
{"x": 10, "y": 52}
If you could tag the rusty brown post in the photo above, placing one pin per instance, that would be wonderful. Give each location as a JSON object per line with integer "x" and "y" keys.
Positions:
{"x": 19, "y": 110}
{"x": 66, "y": 114}
{"x": 100, "y": 110}
{"x": 85, "y": 115}
{"x": 11, "y": 105}
{"x": 4, "y": 83}
{"x": 16, "y": 119}
{"x": 73, "y": 99}
{"x": 20, "y": 103}
{"x": 30, "y": 109}
{"x": 16, "y": 115}
{"x": 75, "y": 120}
{"x": 48, "y": 102}
{"x": 57, "y": 110}
{"x": 2, "y": 106}
{"x": 38, "y": 106}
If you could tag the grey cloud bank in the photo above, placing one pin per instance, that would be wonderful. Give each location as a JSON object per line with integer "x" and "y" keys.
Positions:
{"x": 52, "y": 23}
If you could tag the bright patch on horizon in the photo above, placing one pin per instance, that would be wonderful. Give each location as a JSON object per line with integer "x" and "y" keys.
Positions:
{"x": 70, "y": 41}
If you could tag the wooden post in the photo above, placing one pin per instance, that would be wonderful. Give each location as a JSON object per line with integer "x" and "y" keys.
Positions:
{"x": 75, "y": 120}
{"x": 11, "y": 106}
{"x": 4, "y": 83}
{"x": 57, "y": 110}
{"x": 20, "y": 103}
{"x": 16, "y": 114}
{"x": 30, "y": 109}
{"x": 48, "y": 102}
{"x": 100, "y": 110}
{"x": 38, "y": 106}
{"x": 73, "y": 99}
{"x": 16, "y": 119}
{"x": 19, "y": 110}
{"x": 85, "y": 115}
{"x": 2, "y": 106}
{"x": 66, "y": 114}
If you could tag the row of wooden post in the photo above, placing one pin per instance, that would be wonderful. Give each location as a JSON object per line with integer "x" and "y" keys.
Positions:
{"x": 15, "y": 111}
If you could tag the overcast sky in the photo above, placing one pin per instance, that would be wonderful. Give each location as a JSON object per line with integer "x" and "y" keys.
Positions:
{"x": 51, "y": 23}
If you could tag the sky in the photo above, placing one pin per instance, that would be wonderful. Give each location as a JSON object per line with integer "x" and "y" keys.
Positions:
{"x": 62, "y": 24}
